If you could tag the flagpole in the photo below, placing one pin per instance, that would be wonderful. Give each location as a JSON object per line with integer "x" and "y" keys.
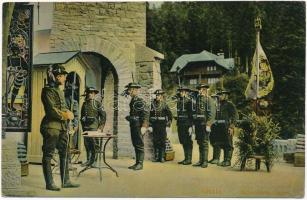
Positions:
{"x": 258, "y": 28}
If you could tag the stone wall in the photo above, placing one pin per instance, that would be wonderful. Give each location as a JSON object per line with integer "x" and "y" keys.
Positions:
{"x": 125, "y": 22}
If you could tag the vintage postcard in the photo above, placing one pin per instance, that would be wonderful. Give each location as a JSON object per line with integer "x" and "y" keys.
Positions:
{"x": 191, "y": 99}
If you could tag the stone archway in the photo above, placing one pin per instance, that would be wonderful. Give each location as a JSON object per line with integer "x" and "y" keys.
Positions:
{"x": 123, "y": 65}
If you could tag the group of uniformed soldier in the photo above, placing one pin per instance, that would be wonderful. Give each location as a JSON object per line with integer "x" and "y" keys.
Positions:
{"x": 211, "y": 119}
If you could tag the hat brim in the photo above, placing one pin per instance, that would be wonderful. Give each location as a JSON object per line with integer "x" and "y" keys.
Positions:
{"x": 199, "y": 87}
{"x": 134, "y": 87}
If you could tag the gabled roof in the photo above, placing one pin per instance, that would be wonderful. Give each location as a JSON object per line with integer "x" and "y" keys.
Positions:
{"x": 54, "y": 57}
{"x": 204, "y": 56}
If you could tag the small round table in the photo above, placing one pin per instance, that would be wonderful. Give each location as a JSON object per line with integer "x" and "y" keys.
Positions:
{"x": 100, "y": 153}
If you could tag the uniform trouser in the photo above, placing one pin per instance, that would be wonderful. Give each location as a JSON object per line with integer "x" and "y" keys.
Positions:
{"x": 159, "y": 136}
{"x": 91, "y": 146}
{"x": 137, "y": 140}
{"x": 52, "y": 139}
{"x": 202, "y": 138}
{"x": 185, "y": 138}
{"x": 224, "y": 140}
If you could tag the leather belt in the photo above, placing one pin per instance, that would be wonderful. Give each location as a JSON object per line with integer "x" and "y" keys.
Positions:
{"x": 220, "y": 121}
{"x": 182, "y": 116}
{"x": 158, "y": 118}
{"x": 199, "y": 116}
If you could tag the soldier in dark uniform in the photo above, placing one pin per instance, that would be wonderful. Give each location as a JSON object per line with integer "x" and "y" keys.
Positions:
{"x": 203, "y": 118}
{"x": 93, "y": 117}
{"x": 138, "y": 118}
{"x": 214, "y": 130}
{"x": 226, "y": 123}
{"x": 54, "y": 127}
{"x": 184, "y": 124}
{"x": 160, "y": 117}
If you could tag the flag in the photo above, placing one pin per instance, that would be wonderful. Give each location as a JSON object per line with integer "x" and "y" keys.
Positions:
{"x": 266, "y": 81}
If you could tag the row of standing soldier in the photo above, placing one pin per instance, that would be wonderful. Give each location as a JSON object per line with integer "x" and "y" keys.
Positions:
{"x": 211, "y": 119}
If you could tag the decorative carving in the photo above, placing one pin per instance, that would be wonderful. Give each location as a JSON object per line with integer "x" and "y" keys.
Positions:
{"x": 16, "y": 101}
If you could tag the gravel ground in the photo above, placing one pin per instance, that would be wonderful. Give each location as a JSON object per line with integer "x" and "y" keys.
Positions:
{"x": 172, "y": 180}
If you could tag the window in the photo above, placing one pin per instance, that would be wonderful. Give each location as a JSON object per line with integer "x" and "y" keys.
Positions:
{"x": 213, "y": 80}
{"x": 193, "y": 81}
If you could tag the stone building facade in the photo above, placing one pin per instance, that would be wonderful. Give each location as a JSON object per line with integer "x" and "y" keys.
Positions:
{"x": 112, "y": 39}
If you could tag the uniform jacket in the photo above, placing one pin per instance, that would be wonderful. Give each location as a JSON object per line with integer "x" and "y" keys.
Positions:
{"x": 92, "y": 114}
{"x": 204, "y": 106}
{"x": 54, "y": 103}
{"x": 139, "y": 109}
{"x": 184, "y": 110}
{"x": 228, "y": 112}
{"x": 160, "y": 109}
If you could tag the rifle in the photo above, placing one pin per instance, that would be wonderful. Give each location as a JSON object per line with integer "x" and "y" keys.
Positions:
{"x": 69, "y": 125}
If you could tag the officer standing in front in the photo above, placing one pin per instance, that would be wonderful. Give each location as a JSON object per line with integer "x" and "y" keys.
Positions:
{"x": 93, "y": 117}
{"x": 54, "y": 127}
{"x": 138, "y": 119}
{"x": 184, "y": 124}
{"x": 160, "y": 117}
{"x": 203, "y": 118}
{"x": 226, "y": 121}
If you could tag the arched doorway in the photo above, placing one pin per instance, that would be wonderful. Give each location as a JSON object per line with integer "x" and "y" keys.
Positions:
{"x": 102, "y": 75}
{"x": 123, "y": 64}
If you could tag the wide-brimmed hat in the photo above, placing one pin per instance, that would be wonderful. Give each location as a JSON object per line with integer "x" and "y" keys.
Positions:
{"x": 58, "y": 69}
{"x": 159, "y": 92}
{"x": 133, "y": 85}
{"x": 89, "y": 90}
{"x": 223, "y": 92}
{"x": 202, "y": 86}
{"x": 183, "y": 88}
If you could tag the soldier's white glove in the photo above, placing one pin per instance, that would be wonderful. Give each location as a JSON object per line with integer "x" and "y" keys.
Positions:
{"x": 150, "y": 129}
{"x": 208, "y": 129}
{"x": 143, "y": 130}
{"x": 168, "y": 130}
{"x": 190, "y": 131}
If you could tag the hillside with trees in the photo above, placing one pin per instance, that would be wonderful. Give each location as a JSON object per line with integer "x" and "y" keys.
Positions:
{"x": 177, "y": 28}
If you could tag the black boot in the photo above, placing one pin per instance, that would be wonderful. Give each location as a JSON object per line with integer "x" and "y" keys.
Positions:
{"x": 139, "y": 165}
{"x": 48, "y": 176}
{"x": 156, "y": 155}
{"x": 92, "y": 159}
{"x": 185, "y": 155}
{"x": 188, "y": 161}
{"x": 228, "y": 158}
{"x": 205, "y": 156}
{"x": 88, "y": 156}
{"x": 225, "y": 158}
{"x": 161, "y": 155}
{"x": 136, "y": 160}
{"x": 66, "y": 183}
{"x": 216, "y": 155}
{"x": 201, "y": 158}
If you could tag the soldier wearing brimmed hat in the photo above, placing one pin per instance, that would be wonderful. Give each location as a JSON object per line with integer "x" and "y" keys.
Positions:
{"x": 203, "y": 117}
{"x": 54, "y": 127}
{"x": 184, "y": 124}
{"x": 93, "y": 117}
{"x": 225, "y": 122}
{"x": 138, "y": 119}
{"x": 160, "y": 117}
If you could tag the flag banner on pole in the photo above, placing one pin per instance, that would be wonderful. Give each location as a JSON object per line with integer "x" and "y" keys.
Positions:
{"x": 266, "y": 81}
